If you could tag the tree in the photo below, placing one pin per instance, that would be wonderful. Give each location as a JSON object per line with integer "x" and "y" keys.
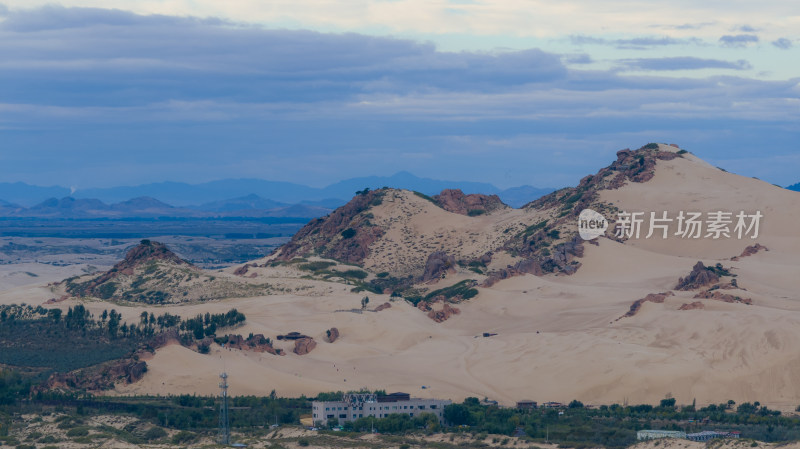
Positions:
{"x": 456, "y": 414}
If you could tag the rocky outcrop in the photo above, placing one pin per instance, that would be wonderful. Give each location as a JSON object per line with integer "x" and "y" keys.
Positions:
{"x": 657, "y": 298}
{"x": 101, "y": 378}
{"x": 383, "y": 306}
{"x": 304, "y": 345}
{"x": 241, "y": 271}
{"x": 699, "y": 277}
{"x": 442, "y": 315}
{"x": 344, "y": 235}
{"x": 750, "y": 250}
{"x": 717, "y": 295}
{"x": 333, "y": 334}
{"x": 437, "y": 266}
{"x": 255, "y": 343}
{"x": 697, "y": 305}
{"x": 454, "y": 200}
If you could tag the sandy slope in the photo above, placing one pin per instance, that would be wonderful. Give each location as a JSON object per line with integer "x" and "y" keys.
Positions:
{"x": 558, "y": 336}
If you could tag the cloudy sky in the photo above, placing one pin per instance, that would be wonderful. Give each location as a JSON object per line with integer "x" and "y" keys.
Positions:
{"x": 97, "y": 93}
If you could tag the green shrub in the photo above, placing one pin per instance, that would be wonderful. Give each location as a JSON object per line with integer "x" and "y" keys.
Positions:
{"x": 302, "y": 442}
{"x": 154, "y": 433}
{"x": 183, "y": 437}
{"x": 80, "y": 431}
{"x": 682, "y": 151}
{"x": 348, "y": 233}
{"x": 650, "y": 146}
{"x": 475, "y": 212}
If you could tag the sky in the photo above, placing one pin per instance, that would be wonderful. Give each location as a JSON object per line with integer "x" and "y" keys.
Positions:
{"x": 100, "y": 93}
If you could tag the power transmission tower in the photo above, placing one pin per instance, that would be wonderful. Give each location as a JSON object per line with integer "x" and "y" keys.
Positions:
{"x": 224, "y": 423}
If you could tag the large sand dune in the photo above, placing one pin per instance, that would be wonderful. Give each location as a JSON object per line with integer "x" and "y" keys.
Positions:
{"x": 558, "y": 337}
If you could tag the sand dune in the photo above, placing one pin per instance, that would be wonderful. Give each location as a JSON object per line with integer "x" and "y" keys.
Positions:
{"x": 558, "y": 337}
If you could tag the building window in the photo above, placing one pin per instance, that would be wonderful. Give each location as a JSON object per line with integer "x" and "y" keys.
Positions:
{"x": 433, "y": 407}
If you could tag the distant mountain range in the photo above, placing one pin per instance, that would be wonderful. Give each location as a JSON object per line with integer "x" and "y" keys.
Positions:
{"x": 795, "y": 187}
{"x": 251, "y": 206}
{"x": 228, "y": 195}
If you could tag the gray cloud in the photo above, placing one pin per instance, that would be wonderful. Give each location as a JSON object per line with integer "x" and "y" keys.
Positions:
{"x": 114, "y": 89}
{"x": 684, "y": 63}
{"x": 746, "y": 29}
{"x": 739, "y": 40}
{"x": 638, "y": 43}
{"x": 782, "y": 43}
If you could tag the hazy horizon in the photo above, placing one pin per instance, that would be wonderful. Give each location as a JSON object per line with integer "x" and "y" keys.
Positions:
{"x": 128, "y": 93}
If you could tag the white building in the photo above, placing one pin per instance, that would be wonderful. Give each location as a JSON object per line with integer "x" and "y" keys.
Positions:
{"x": 355, "y": 406}
{"x": 653, "y": 434}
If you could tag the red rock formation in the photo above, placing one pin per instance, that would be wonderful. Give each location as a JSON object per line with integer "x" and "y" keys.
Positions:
{"x": 657, "y": 298}
{"x": 304, "y": 345}
{"x": 750, "y": 250}
{"x": 437, "y": 266}
{"x": 454, "y": 200}
{"x": 383, "y": 306}
{"x": 333, "y": 334}
{"x": 699, "y": 277}
{"x": 96, "y": 378}
{"x": 442, "y": 315}
{"x": 724, "y": 297}
{"x": 697, "y": 305}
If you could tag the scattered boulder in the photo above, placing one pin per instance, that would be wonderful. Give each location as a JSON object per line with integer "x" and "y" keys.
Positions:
{"x": 750, "y": 250}
{"x": 442, "y": 315}
{"x": 438, "y": 265}
{"x": 699, "y": 277}
{"x": 454, "y": 200}
{"x": 304, "y": 345}
{"x": 697, "y": 305}
{"x": 657, "y": 298}
{"x": 333, "y": 334}
{"x": 383, "y": 306}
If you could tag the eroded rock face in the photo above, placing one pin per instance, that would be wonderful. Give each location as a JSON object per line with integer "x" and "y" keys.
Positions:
{"x": 699, "y": 277}
{"x": 438, "y": 265}
{"x": 383, "y": 306}
{"x": 304, "y": 345}
{"x": 442, "y": 315}
{"x": 124, "y": 371}
{"x": 333, "y": 334}
{"x": 241, "y": 271}
{"x": 750, "y": 250}
{"x": 454, "y": 200}
{"x": 657, "y": 298}
{"x": 724, "y": 297}
{"x": 697, "y": 305}
{"x": 344, "y": 235}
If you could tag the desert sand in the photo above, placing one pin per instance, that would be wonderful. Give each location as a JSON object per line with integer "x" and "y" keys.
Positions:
{"x": 558, "y": 337}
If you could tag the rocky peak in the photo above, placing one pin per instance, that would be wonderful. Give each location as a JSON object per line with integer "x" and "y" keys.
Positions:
{"x": 454, "y": 200}
{"x": 699, "y": 277}
{"x": 144, "y": 252}
{"x": 343, "y": 235}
